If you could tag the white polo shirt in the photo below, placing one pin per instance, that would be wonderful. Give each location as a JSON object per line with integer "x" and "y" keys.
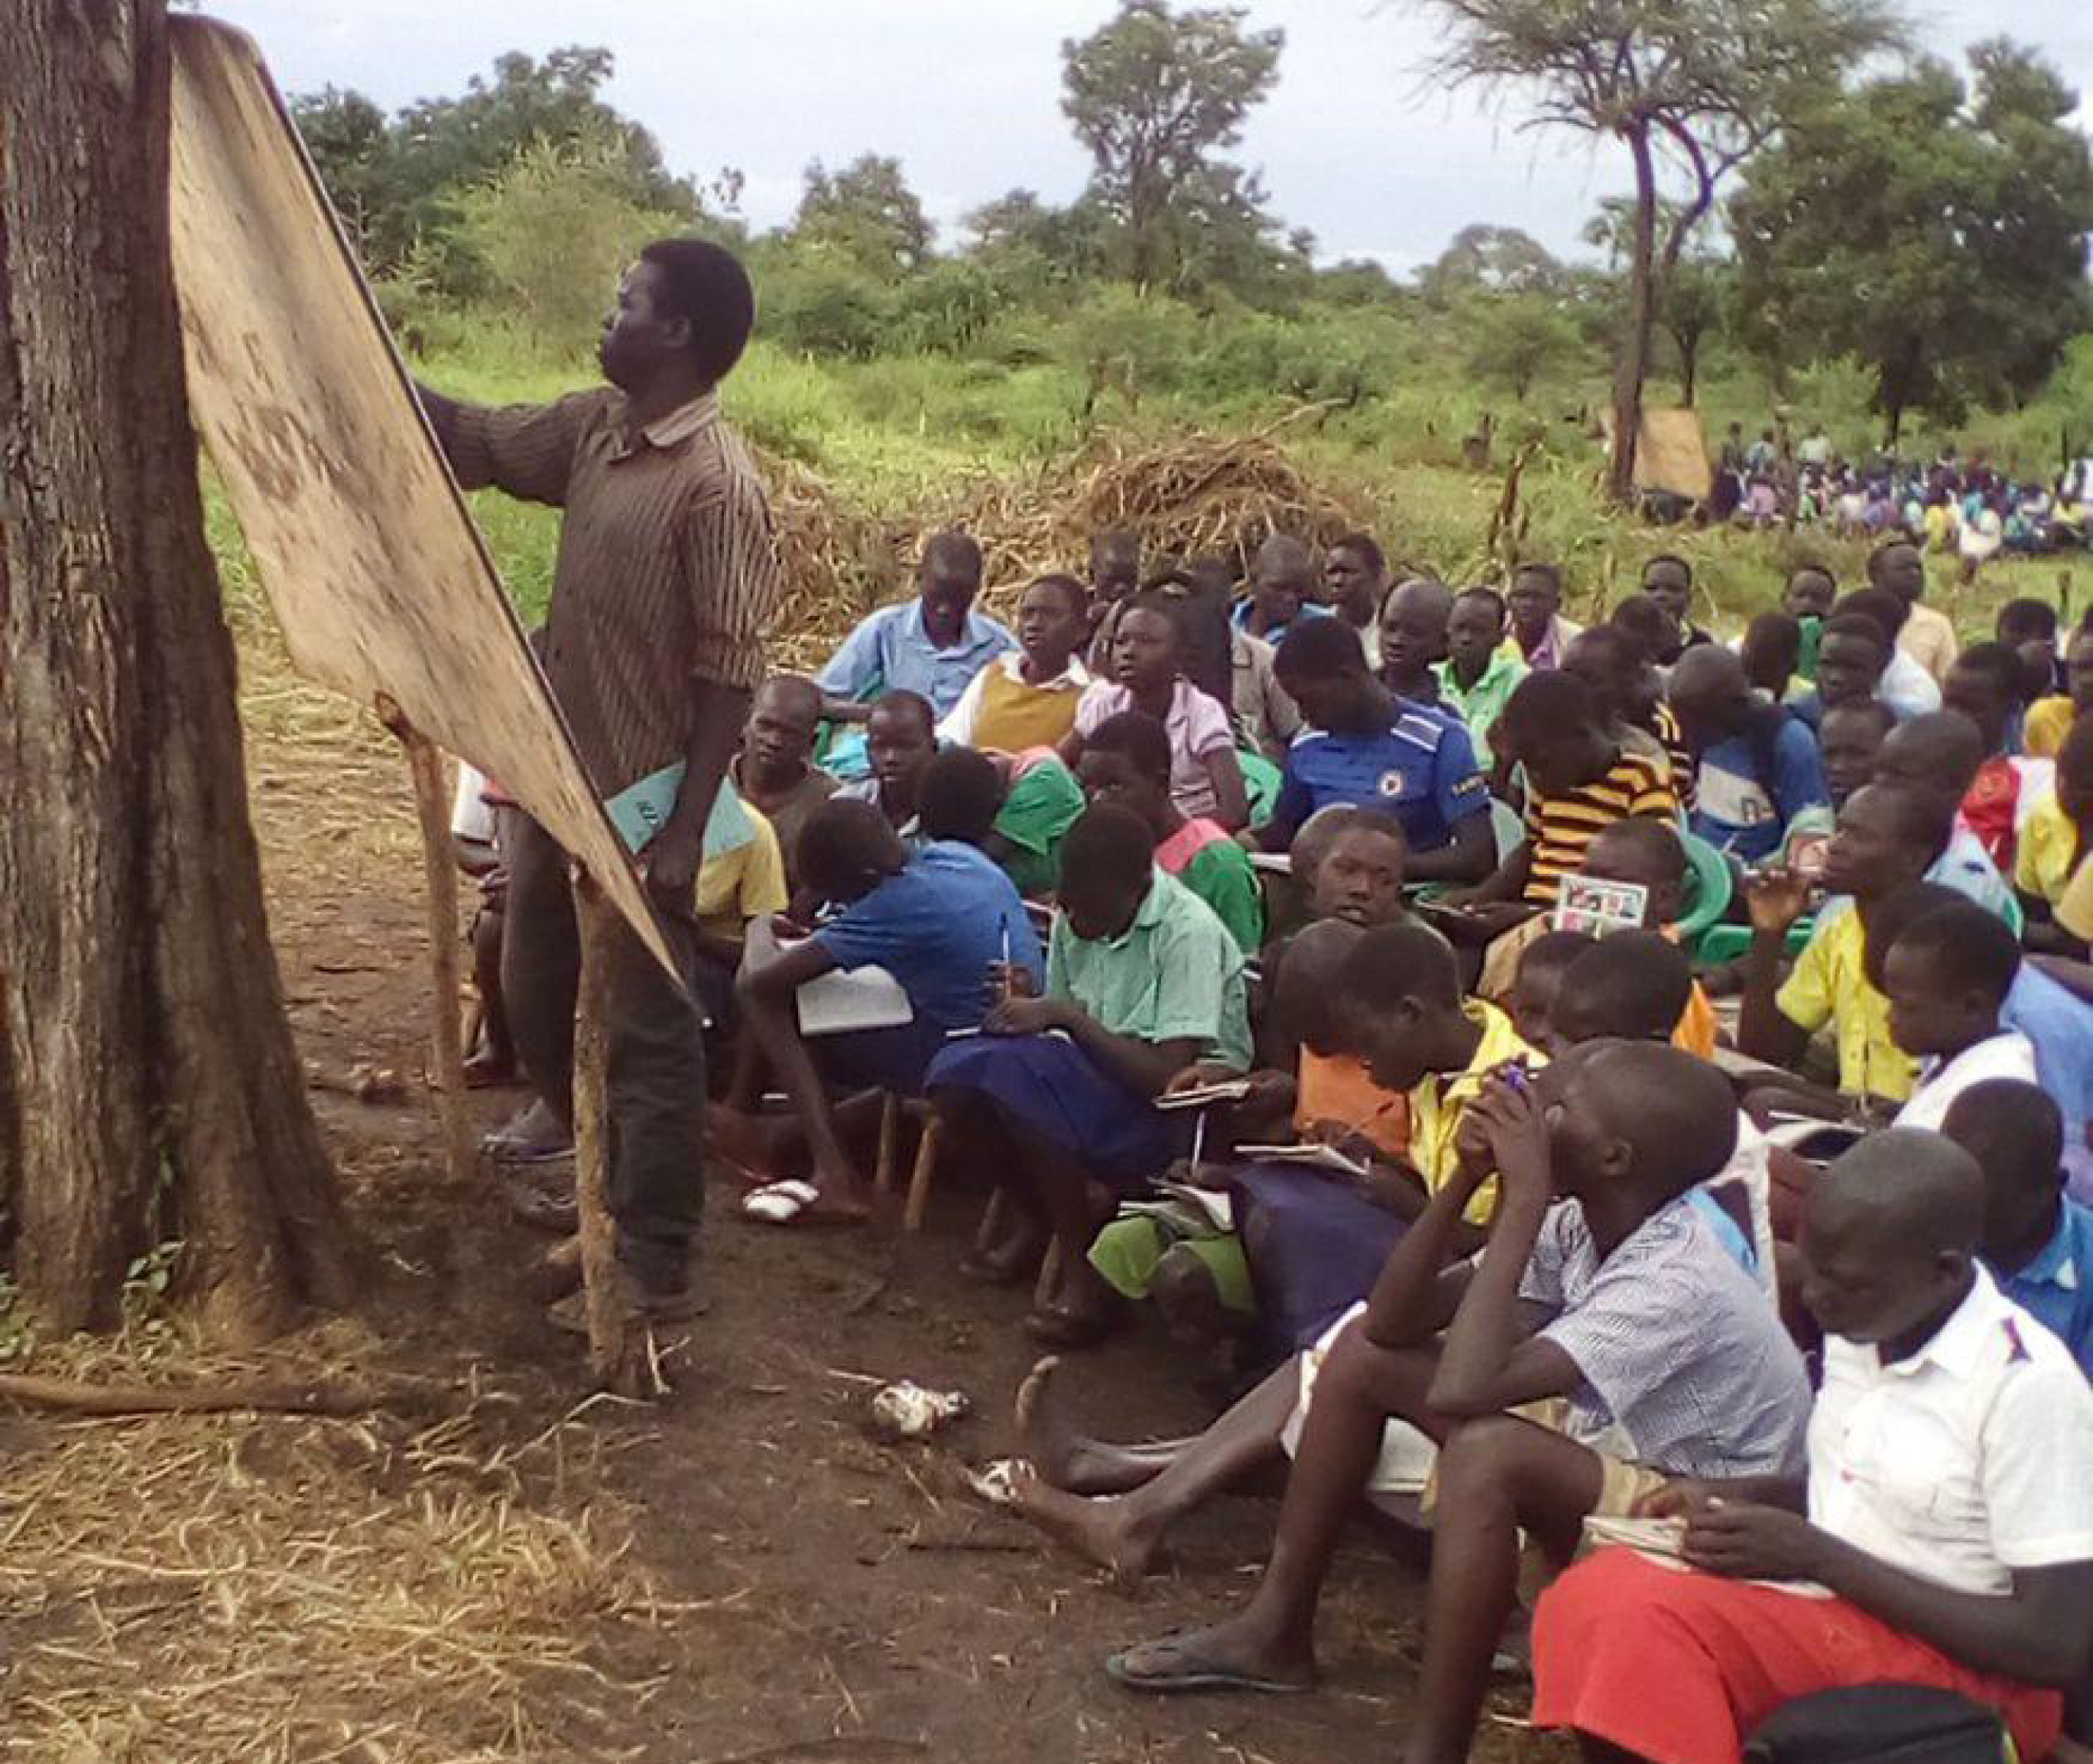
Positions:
{"x": 2007, "y": 1054}
{"x": 1970, "y": 1460}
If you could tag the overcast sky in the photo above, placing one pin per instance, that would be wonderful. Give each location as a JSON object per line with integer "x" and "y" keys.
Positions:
{"x": 1353, "y": 143}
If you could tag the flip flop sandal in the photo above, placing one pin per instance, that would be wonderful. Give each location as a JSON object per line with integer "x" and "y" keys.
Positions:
{"x": 1053, "y": 1328}
{"x": 996, "y": 1481}
{"x": 791, "y": 1202}
{"x": 1191, "y": 1675}
{"x": 544, "y": 1209}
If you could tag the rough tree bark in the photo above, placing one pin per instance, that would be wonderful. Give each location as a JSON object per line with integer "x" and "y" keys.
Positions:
{"x": 146, "y": 1053}
{"x": 1631, "y": 361}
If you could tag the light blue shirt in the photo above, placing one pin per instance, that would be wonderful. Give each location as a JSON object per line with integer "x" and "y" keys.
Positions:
{"x": 2057, "y": 1287}
{"x": 891, "y": 652}
{"x": 1966, "y": 867}
{"x": 2059, "y": 1024}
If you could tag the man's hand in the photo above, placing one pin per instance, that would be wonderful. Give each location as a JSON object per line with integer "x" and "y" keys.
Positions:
{"x": 669, "y": 866}
{"x": 494, "y": 887}
{"x": 1011, "y": 979}
{"x": 1517, "y": 1128}
{"x": 1026, "y": 1016}
{"x": 1777, "y": 898}
{"x": 1747, "y": 1541}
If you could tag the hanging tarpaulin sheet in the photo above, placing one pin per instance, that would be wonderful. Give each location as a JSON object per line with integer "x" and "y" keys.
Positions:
{"x": 1671, "y": 454}
{"x": 379, "y": 580}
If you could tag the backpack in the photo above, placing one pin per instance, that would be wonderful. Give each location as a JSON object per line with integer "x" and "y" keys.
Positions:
{"x": 1881, "y": 1724}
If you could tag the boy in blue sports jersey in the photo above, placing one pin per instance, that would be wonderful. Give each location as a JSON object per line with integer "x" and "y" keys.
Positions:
{"x": 1367, "y": 748}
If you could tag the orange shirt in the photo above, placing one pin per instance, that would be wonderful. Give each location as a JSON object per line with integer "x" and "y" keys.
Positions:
{"x": 1695, "y": 1032}
{"x": 1330, "y": 1088}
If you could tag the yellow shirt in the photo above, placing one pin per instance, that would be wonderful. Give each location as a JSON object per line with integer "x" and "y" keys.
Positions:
{"x": 1829, "y": 985}
{"x": 2075, "y": 908}
{"x": 999, "y": 710}
{"x": 2048, "y": 854}
{"x": 2048, "y": 722}
{"x": 1438, "y": 1104}
{"x": 1930, "y": 640}
{"x": 744, "y": 883}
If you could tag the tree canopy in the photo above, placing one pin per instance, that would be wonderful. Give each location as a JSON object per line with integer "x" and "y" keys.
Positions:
{"x": 1155, "y": 95}
{"x": 1934, "y": 230}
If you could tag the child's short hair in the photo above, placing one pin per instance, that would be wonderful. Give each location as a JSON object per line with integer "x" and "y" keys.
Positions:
{"x": 1341, "y": 818}
{"x": 2010, "y": 1126}
{"x": 1650, "y": 837}
{"x": 902, "y": 703}
{"x": 1776, "y": 633}
{"x": 1490, "y": 597}
{"x": 1632, "y": 985}
{"x": 1137, "y": 738}
{"x": 1401, "y": 962}
{"x": 1071, "y": 591}
{"x": 1549, "y": 573}
{"x": 2074, "y": 759}
{"x": 960, "y": 797}
{"x": 1364, "y": 547}
{"x": 2000, "y": 665}
{"x": 1548, "y": 958}
{"x": 1873, "y": 709}
{"x": 1883, "y": 608}
{"x": 1857, "y": 625}
{"x": 1964, "y": 948}
{"x": 842, "y": 840}
{"x": 1549, "y": 705}
{"x": 1319, "y": 648}
{"x": 1108, "y": 844}
{"x": 1679, "y": 1113}
{"x": 2024, "y": 619}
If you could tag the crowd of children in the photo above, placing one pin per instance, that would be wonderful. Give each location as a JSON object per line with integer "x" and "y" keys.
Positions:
{"x": 1595, "y": 1093}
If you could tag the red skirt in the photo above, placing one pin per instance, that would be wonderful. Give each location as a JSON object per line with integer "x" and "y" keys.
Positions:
{"x": 1681, "y": 1668}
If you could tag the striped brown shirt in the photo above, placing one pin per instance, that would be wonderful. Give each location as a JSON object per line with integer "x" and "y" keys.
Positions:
{"x": 668, "y": 567}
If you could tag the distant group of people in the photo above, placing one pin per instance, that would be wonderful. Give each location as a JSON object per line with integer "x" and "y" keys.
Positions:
{"x": 1318, "y": 968}
{"x": 1969, "y": 510}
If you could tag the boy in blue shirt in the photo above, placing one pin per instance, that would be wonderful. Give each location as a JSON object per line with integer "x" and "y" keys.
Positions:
{"x": 1367, "y": 748}
{"x": 941, "y": 920}
{"x": 2037, "y": 1242}
{"x": 1757, "y": 765}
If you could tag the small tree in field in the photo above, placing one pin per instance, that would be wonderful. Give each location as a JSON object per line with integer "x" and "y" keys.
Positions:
{"x": 1703, "y": 83}
{"x": 1516, "y": 339}
{"x": 145, "y": 1049}
{"x": 552, "y": 229}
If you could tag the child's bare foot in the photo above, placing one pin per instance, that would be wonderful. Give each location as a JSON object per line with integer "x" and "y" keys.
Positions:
{"x": 1061, "y": 1457}
{"x": 1012, "y": 1257}
{"x": 1098, "y": 1529}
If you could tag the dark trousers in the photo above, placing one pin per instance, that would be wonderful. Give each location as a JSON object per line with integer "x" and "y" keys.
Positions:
{"x": 655, "y": 1076}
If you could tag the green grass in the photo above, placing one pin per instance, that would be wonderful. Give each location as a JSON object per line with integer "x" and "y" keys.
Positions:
{"x": 899, "y": 436}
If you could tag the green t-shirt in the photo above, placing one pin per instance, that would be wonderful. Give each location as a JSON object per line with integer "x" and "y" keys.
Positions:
{"x": 1041, "y": 806}
{"x": 1219, "y": 871}
{"x": 1174, "y": 974}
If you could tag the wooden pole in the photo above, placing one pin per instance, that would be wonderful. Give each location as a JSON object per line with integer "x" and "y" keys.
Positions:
{"x": 621, "y": 1347}
{"x": 425, "y": 764}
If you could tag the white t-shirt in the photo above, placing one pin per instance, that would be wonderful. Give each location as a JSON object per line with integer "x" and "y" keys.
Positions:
{"x": 2007, "y": 1054}
{"x": 1970, "y": 1460}
{"x": 1907, "y": 688}
{"x": 472, "y": 815}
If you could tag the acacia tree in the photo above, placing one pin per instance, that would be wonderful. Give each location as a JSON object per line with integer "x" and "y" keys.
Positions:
{"x": 867, "y": 212}
{"x": 1154, "y": 95}
{"x": 1699, "y": 84}
{"x": 145, "y": 1053}
{"x": 1936, "y": 232}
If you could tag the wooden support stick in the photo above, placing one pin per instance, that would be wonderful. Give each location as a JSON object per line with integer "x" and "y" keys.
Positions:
{"x": 439, "y": 873}
{"x": 32, "y": 1392}
{"x": 620, "y": 1348}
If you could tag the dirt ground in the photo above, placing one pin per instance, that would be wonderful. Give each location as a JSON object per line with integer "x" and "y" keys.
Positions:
{"x": 814, "y": 1594}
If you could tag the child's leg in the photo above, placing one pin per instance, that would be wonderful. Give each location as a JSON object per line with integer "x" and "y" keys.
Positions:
{"x": 1007, "y": 1248}
{"x": 1083, "y": 1307}
{"x": 775, "y": 1025}
{"x": 1125, "y": 1532}
{"x": 495, "y": 1058}
{"x": 1496, "y": 1476}
{"x": 1271, "y": 1640}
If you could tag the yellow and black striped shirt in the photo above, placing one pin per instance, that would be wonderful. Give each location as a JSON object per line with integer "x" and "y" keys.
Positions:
{"x": 667, "y": 572}
{"x": 1560, "y": 828}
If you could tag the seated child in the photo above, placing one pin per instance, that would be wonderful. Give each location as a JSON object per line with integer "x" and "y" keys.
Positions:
{"x": 1643, "y": 850}
{"x": 1365, "y": 747}
{"x": 1126, "y": 761}
{"x": 1148, "y": 675}
{"x": 899, "y": 738}
{"x": 1949, "y": 1504}
{"x": 2055, "y": 840}
{"x": 958, "y": 798}
{"x": 1940, "y": 754}
{"x": 1543, "y": 961}
{"x": 1654, "y": 1355}
{"x": 774, "y": 770}
{"x": 2037, "y": 1242}
{"x": 942, "y": 920}
{"x": 741, "y": 878}
{"x": 1986, "y": 686}
{"x": 1850, "y": 739}
{"x": 1026, "y": 697}
{"x": 1058, "y": 1092}
{"x": 1946, "y": 976}
{"x": 1758, "y": 769}
{"x": 1580, "y": 778}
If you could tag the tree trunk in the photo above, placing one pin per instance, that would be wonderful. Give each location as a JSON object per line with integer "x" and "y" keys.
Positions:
{"x": 1631, "y": 362}
{"x": 146, "y": 1056}
{"x": 1689, "y": 366}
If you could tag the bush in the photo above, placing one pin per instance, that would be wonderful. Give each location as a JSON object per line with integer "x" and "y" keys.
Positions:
{"x": 551, "y": 232}
{"x": 820, "y": 305}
